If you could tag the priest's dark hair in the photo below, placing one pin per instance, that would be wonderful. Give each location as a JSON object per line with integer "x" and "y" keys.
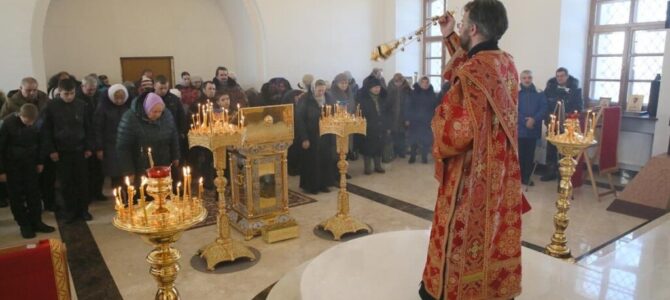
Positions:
{"x": 490, "y": 16}
{"x": 66, "y": 85}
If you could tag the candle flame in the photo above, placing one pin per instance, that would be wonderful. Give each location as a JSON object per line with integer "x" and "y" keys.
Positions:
{"x": 200, "y": 180}
{"x": 127, "y": 181}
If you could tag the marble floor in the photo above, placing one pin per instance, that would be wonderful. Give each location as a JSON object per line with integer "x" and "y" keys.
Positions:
{"x": 611, "y": 248}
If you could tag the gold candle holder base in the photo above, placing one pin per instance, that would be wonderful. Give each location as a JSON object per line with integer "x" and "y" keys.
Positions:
{"x": 340, "y": 225}
{"x": 224, "y": 251}
{"x": 224, "y": 248}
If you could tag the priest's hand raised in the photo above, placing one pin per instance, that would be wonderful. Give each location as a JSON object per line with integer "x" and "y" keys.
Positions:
{"x": 447, "y": 24}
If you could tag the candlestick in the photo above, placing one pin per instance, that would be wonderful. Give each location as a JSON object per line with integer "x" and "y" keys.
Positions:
{"x": 189, "y": 182}
{"x": 200, "y": 188}
{"x": 131, "y": 192}
{"x": 198, "y": 115}
{"x": 178, "y": 197}
{"x": 151, "y": 158}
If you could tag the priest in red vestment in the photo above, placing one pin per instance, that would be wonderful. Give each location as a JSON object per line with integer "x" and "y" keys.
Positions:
{"x": 475, "y": 242}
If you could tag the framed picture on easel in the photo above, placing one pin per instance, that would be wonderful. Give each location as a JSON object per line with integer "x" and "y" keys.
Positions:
{"x": 634, "y": 103}
{"x": 604, "y": 101}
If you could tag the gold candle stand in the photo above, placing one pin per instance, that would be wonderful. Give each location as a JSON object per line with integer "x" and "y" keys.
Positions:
{"x": 336, "y": 120}
{"x": 160, "y": 223}
{"x": 570, "y": 145}
{"x": 217, "y": 137}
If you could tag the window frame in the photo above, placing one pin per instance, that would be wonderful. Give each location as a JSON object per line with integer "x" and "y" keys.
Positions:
{"x": 426, "y": 39}
{"x": 627, "y": 56}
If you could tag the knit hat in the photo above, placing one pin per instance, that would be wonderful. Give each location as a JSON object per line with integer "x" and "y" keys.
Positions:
{"x": 373, "y": 82}
{"x": 152, "y": 100}
{"x": 115, "y": 88}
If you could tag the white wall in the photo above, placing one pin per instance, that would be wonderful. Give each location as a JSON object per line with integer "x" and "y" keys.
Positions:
{"x": 324, "y": 37}
{"x": 574, "y": 31}
{"x": 21, "y": 54}
{"x": 84, "y": 36}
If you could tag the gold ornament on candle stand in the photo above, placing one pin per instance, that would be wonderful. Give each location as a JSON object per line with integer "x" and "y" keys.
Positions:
{"x": 160, "y": 223}
{"x": 342, "y": 124}
{"x": 217, "y": 135}
{"x": 570, "y": 144}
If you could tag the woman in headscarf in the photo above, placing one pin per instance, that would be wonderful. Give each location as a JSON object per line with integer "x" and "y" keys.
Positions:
{"x": 419, "y": 112}
{"x": 375, "y": 109}
{"x": 318, "y": 157}
{"x": 398, "y": 92}
{"x": 113, "y": 105}
{"x": 343, "y": 93}
{"x": 147, "y": 125}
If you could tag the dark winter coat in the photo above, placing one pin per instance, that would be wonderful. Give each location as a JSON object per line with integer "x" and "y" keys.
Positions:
{"x": 378, "y": 122}
{"x": 233, "y": 89}
{"x": 397, "y": 97}
{"x": 173, "y": 104}
{"x": 570, "y": 95}
{"x": 91, "y": 101}
{"x": 19, "y": 145}
{"x": 532, "y": 104}
{"x": 317, "y": 163}
{"x": 67, "y": 127}
{"x": 16, "y": 100}
{"x": 106, "y": 123}
{"x": 136, "y": 133}
{"x": 419, "y": 111}
{"x": 270, "y": 94}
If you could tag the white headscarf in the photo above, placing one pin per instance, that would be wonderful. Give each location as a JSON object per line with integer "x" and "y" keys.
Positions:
{"x": 115, "y": 88}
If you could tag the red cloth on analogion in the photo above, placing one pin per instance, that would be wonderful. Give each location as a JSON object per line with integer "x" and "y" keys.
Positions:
{"x": 27, "y": 273}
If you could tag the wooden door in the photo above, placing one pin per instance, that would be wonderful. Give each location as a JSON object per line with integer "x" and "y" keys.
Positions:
{"x": 132, "y": 67}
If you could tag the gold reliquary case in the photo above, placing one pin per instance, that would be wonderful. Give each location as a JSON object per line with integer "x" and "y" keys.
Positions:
{"x": 259, "y": 176}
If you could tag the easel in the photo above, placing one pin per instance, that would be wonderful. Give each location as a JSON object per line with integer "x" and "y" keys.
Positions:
{"x": 605, "y": 117}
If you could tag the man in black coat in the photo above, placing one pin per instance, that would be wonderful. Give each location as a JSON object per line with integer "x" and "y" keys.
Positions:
{"x": 563, "y": 88}
{"x": 20, "y": 165}
{"x": 67, "y": 140}
{"x": 318, "y": 155}
{"x": 90, "y": 94}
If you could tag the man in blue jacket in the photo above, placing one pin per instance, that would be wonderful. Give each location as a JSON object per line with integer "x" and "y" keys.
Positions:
{"x": 532, "y": 107}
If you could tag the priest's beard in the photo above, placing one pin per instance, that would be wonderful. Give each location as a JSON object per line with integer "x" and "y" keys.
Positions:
{"x": 466, "y": 42}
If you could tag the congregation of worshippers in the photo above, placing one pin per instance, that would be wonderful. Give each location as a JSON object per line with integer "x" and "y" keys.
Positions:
{"x": 61, "y": 139}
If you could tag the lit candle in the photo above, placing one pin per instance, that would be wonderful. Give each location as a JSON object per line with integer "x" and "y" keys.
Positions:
{"x": 189, "y": 181}
{"x": 178, "y": 187}
{"x": 151, "y": 158}
{"x": 131, "y": 193}
{"x": 587, "y": 126}
{"x": 198, "y": 115}
{"x": 200, "y": 188}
